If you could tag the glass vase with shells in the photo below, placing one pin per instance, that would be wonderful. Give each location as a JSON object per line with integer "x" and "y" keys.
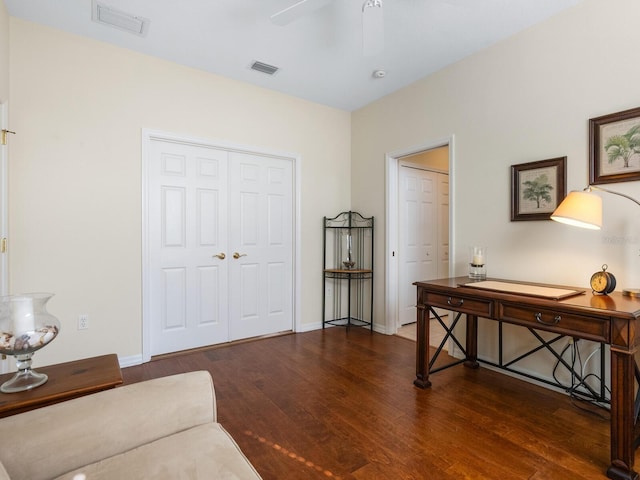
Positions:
{"x": 25, "y": 327}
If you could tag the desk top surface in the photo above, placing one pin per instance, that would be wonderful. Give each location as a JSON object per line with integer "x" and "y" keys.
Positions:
{"x": 615, "y": 304}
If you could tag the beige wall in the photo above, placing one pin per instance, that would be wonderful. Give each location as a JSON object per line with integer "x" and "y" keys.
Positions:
{"x": 75, "y": 181}
{"x": 80, "y": 105}
{"x": 528, "y": 98}
{"x": 4, "y": 53}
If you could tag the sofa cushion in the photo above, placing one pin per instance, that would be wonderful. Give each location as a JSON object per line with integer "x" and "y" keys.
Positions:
{"x": 201, "y": 453}
{"x": 71, "y": 434}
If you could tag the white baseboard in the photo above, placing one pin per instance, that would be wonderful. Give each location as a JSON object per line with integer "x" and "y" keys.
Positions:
{"x": 130, "y": 361}
{"x": 309, "y": 327}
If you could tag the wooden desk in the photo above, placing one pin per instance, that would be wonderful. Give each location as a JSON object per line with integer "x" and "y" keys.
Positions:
{"x": 612, "y": 319}
{"x": 66, "y": 381}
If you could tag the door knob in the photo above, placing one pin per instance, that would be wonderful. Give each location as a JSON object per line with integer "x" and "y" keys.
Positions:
{"x": 237, "y": 255}
{"x": 221, "y": 256}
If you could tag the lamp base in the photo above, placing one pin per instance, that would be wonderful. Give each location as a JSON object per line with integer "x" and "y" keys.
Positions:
{"x": 631, "y": 292}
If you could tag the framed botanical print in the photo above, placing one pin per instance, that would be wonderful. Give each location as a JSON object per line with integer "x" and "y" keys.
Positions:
{"x": 537, "y": 188}
{"x": 614, "y": 147}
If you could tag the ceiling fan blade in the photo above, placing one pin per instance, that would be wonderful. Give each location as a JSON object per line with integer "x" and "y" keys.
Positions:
{"x": 297, "y": 10}
{"x": 372, "y": 28}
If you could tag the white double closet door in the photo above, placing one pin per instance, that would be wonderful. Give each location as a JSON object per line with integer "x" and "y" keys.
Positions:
{"x": 220, "y": 243}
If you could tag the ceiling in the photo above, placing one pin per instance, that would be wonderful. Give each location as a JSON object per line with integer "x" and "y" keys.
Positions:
{"x": 320, "y": 54}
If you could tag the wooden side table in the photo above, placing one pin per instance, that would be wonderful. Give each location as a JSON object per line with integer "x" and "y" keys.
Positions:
{"x": 66, "y": 381}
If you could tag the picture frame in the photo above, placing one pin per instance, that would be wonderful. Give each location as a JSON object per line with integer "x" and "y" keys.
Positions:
{"x": 614, "y": 147}
{"x": 537, "y": 188}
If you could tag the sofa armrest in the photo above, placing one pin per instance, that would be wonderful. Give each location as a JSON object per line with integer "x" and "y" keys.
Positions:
{"x": 69, "y": 435}
{"x": 3, "y": 473}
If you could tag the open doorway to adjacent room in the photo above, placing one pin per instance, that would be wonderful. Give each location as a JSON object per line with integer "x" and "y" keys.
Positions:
{"x": 419, "y": 236}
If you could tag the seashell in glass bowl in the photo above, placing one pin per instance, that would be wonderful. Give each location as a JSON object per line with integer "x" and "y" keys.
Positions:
{"x": 25, "y": 327}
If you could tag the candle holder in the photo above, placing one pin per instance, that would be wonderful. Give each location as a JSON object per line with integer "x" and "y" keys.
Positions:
{"x": 477, "y": 263}
{"x": 25, "y": 327}
{"x": 349, "y": 263}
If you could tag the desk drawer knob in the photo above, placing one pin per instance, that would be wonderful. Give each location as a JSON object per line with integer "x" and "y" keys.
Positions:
{"x": 555, "y": 321}
{"x": 459, "y": 304}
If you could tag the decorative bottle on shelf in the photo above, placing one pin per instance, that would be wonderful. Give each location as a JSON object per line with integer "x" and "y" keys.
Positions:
{"x": 349, "y": 263}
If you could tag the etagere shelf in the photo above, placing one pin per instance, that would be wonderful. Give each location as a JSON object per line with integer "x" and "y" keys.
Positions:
{"x": 347, "y": 296}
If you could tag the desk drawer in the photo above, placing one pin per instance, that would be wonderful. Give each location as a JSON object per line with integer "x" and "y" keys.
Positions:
{"x": 588, "y": 328}
{"x": 472, "y": 306}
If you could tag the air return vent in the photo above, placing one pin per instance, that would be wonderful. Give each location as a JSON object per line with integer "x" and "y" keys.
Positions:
{"x": 106, "y": 15}
{"x": 264, "y": 68}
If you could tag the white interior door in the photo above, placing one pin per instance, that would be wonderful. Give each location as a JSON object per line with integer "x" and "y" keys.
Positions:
{"x": 423, "y": 237}
{"x": 220, "y": 245}
{"x": 187, "y": 247}
{"x": 417, "y": 255}
{"x": 443, "y": 225}
{"x": 261, "y": 234}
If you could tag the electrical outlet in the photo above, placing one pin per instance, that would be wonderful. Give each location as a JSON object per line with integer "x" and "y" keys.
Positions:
{"x": 83, "y": 322}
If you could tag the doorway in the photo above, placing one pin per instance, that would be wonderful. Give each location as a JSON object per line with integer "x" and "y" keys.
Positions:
{"x": 219, "y": 243}
{"x": 434, "y": 252}
{"x": 423, "y": 229}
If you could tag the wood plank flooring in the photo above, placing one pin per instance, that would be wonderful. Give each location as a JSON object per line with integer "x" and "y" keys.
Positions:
{"x": 341, "y": 405}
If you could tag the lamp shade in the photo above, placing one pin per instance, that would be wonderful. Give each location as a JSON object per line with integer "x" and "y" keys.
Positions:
{"x": 580, "y": 209}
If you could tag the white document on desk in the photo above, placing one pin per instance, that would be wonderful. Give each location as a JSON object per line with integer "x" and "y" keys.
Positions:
{"x": 525, "y": 289}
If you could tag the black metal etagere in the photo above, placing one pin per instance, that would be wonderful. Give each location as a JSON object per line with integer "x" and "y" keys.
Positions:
{"x": 347, "y": 296}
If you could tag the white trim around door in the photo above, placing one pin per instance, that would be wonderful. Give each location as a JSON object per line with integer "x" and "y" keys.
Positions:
{"x": 150, "y": 136}
{"x": 392, "y": 165}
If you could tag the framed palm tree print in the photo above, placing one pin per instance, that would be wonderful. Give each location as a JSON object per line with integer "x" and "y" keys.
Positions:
{"x": 614, "y": 147}
{"x": 537, "y": 188}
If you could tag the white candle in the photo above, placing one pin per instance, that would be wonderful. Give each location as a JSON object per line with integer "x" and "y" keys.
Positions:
{"x": 478, "y": 259}
{"x": 22, "y": 315}
{"x": 349, "y": 242}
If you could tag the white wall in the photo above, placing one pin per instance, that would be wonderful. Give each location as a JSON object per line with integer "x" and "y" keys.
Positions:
{"x": 528, "y": 98}
{"x": 75, "y": 206}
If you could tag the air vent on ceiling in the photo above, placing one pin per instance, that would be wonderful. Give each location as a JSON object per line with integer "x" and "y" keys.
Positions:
{"x": 106, "y": 15}
{"x": 264, "y": 68}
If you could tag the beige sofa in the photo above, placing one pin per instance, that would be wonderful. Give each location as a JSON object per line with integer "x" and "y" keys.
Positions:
{"x": 159, "y": 429}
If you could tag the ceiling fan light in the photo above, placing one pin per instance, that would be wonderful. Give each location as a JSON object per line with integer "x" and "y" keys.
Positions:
{"x": 371, "y": 4}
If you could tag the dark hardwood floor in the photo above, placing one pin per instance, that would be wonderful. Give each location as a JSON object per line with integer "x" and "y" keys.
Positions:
{"x": 338, "y": 405}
